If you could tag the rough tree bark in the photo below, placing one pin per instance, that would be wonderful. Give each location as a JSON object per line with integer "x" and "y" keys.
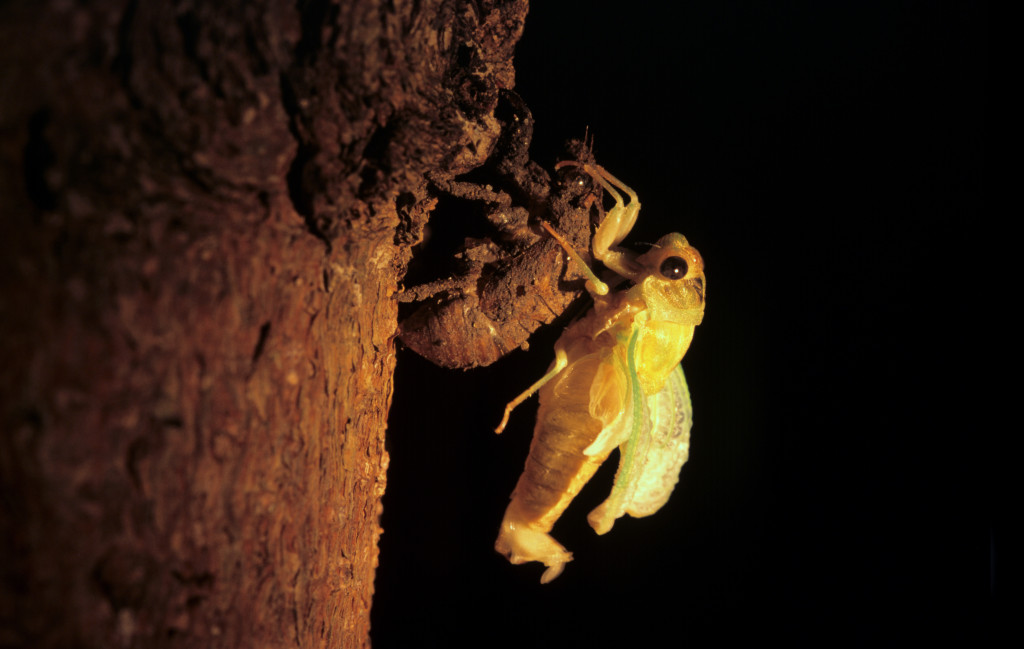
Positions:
{"x": 206, "y": 209}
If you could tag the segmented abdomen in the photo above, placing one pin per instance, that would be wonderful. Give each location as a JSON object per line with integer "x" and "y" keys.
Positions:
{"x": 557, "y": 467}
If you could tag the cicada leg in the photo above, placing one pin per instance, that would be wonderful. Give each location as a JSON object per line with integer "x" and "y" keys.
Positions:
{"x": 520, "y": 543}
{"x": 594, "y": 285}
{"x": 561, "y": 360}
{"x": 617, "y": 222}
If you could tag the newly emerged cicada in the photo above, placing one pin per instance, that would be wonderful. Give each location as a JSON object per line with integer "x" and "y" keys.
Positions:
{"x": 616, "y": 382}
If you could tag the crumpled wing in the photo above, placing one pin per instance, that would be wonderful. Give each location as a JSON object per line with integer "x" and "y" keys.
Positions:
{"x": 611, "y": 403}
{"x": 654, "y": 453}
{"x": 633, "y": 451}
{"x": 671, "y": 419}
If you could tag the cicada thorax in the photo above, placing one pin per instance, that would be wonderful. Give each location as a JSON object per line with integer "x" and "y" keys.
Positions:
{"x": 672, "y": 295}
{"x": 660, "y": 347}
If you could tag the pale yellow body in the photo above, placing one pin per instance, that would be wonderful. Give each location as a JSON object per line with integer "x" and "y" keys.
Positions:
{"x": 596, "y": 389}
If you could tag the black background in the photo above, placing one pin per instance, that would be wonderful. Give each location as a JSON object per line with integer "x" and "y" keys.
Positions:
{"x": 827, "y": 159}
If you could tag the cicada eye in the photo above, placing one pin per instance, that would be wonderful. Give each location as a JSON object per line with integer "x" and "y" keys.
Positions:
{"x": 673, "y": 268}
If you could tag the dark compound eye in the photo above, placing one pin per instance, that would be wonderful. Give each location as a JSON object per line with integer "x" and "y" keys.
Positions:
{"x": 673, "y": 268}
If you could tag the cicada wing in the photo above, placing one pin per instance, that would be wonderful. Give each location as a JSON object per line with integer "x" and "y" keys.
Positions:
{"x": 610, "y": 404}
{"x": 671, "y": 416}
{"x": 652, "y": 457}
{"x": 633, "y": 451}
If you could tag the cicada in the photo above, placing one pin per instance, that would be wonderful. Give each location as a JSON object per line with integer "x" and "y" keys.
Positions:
{"x": 616, "y": 382}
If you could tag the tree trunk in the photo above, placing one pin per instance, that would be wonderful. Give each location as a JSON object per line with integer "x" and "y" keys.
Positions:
{"x": 206, "y": 209}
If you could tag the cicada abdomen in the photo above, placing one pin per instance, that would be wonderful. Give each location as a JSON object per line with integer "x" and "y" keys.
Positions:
{"x": 583, "y": 400}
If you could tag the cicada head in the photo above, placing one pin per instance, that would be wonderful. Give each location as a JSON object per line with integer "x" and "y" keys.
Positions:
{"x": 673, "y": 282}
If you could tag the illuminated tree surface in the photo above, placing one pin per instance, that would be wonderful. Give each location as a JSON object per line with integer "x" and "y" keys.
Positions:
{"x": 205, "y": 212}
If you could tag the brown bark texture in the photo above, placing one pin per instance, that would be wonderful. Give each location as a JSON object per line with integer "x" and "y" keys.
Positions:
{"x": 205, "y": 211}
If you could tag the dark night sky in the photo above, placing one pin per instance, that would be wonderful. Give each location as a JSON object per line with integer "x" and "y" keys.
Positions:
{"x": 827, "y": 159}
